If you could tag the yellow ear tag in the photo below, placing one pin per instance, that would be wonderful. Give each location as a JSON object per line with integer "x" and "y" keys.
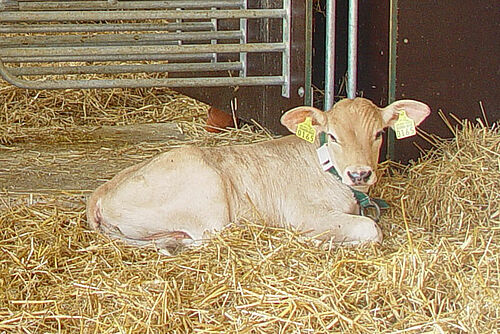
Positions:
{"x": 404, "y": 126}
{"x": 306, "y": 131}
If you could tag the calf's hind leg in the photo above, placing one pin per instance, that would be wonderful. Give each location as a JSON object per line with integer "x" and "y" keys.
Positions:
{"x": 161, "y": 206}
{"x": 172, "y": 240}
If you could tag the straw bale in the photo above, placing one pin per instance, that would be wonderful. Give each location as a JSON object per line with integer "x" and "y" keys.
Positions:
{"x": 437, "y": 270}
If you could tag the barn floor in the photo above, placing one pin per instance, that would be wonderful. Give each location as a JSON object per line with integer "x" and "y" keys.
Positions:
{"x": 77, "y": 159}
{"x": 437, "y": 270}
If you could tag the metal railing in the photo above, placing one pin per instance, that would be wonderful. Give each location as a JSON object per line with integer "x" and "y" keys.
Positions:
{"x": 93, "y": 44}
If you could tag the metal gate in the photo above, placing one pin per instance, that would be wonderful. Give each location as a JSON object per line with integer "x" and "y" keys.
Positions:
{"x": 176, "y": 43}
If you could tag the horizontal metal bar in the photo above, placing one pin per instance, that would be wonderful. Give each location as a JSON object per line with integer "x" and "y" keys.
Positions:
{"x": 142, "y": 49}
{"x": 117, "y": 39}
{"x": 96, "y": 5}
{"x": 118, "y": 57}
{"x": 117, "y": 69}
{"x": 34, "y": 16}
{"x": 146, "y": 83}
{"x": 105, "y": 27}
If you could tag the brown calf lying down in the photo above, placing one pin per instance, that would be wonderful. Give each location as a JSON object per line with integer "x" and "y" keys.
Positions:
{"x": 178, "y": 196}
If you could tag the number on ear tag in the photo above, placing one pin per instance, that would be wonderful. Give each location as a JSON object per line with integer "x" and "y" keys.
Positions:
{"x": 306, "y": 131}
{"x": 404, "y": 126}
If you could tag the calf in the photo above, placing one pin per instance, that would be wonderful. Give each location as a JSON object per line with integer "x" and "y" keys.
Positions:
{"x": 178, "y": 196}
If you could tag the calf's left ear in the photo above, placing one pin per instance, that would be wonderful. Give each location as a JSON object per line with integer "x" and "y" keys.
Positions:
{"x": 415, "y": 110}
{"x": 295, "y": 116}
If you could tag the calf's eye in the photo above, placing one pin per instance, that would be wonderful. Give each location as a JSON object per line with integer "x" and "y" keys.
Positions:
{"x": 332, "y": 138}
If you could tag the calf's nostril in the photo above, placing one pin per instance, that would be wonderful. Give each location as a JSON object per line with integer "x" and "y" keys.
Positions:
{"x": 359, "y": 177}
{"x": 354, "y": 176}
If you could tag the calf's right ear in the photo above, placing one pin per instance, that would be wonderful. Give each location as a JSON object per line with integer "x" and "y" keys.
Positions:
{"x": 297, "y": 115}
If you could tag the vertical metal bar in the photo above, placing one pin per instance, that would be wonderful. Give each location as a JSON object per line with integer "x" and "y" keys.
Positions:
{"x": 243, "y": 40}
{"x": 352, "y": 49}
{"x": 393, "y": 35}
{"x": 330, "y": 55}
{"x": 308, "y": 99}
{"x": 285, "y": 89}
{"x": 214, "y": 41}
{"x": 179, "y": 21}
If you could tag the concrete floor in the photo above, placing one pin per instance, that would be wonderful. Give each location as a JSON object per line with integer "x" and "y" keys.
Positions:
{"x": 31, "y": 169}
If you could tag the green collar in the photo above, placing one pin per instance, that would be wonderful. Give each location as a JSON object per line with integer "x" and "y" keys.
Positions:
{"x": 365, "y": 202}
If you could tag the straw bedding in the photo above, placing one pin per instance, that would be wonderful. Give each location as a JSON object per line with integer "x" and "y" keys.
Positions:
{"x": 437, "y": 270}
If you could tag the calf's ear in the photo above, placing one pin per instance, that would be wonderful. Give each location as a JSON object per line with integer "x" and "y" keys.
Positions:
{"x": 297, "y": 115}
{"x": 415, "y": 110}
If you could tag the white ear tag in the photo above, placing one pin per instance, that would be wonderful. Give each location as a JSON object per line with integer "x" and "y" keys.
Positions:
{"x": 324, "y": 157}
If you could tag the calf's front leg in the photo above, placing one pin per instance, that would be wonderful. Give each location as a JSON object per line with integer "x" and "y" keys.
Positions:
{"x": 341, "y": 227}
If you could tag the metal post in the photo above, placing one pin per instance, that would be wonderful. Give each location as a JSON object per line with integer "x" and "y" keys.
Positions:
{"x": 243, "y": 40}
{"x": 352, "y": 49}
{"x": 287, "y": 34}
{"x": 330, "y": 55}
{"x": 308, "y": 98}
{"x": 393, "y": 35}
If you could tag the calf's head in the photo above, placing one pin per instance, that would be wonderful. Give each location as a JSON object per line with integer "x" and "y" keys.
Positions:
{"x": 354, "y": 129}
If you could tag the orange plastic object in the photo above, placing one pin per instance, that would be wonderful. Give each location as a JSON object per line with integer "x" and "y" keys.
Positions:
{"x": 218, "y": 119}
